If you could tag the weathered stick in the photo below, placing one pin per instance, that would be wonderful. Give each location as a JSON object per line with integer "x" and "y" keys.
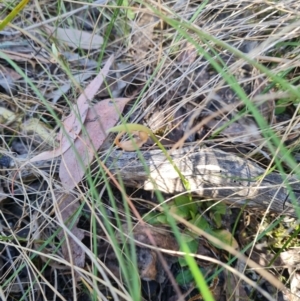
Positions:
{"x": 211, "y": 173}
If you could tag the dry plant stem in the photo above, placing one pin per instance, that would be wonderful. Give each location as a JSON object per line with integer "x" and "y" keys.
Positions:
{"x": 277, "y": 60}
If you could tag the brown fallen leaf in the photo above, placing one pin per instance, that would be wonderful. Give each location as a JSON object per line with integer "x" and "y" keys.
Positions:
{"x": 100, "y": 118}
{"x": 162, "y": 238}
{"x": 75, "y": 38}
{"x": 66, "y": 209}
{"x": 72, "y": 125}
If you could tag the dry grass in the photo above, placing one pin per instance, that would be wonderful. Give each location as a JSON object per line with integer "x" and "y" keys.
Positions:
{"x": 164, "y": 55}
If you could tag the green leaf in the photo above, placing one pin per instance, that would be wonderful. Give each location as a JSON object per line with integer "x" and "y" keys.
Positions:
{"x": 193, "y": 246}
{"x": 162, "y": 219}
{"x": 130, "y": 12}
{"x": 200, "y": 222}
{"x": 193, "y": 214}
{"x": 219, "y": 208}
{"x": 155, "y": 218}
{"x": 279, "y": 110}
{"x": 181, "y": 211}
{"x": 218, "y": 220}
{"x": 226, "y": 237}
{"x": 184, "y": 277}
{"x": 188, "y": 236}
{"x": 184, "y": 204}
{"x": 217, "y": 212}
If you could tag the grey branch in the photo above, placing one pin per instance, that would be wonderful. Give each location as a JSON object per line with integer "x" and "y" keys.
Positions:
{"x": 211, "y": 174}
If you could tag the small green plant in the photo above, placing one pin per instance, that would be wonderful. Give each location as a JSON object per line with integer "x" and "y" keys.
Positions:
{"x": 188, "y": 209}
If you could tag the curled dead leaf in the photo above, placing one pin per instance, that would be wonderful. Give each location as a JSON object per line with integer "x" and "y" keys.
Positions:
{"x": 139, "y": 139}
